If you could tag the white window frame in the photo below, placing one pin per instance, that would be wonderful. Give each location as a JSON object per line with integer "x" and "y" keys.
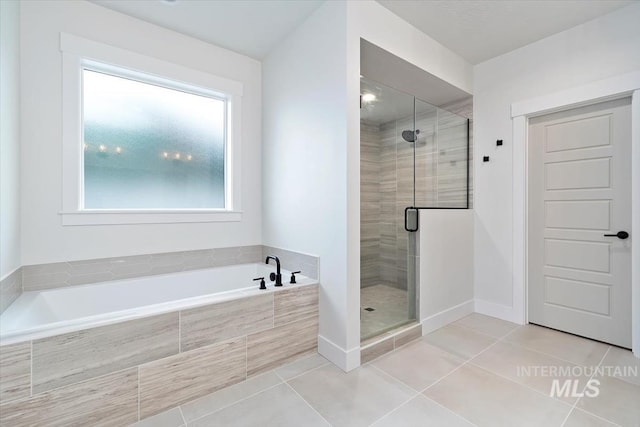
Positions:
{"x": 79, "y": 53}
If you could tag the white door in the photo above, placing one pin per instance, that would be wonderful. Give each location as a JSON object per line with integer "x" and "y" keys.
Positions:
{"x": 579, "y": 191}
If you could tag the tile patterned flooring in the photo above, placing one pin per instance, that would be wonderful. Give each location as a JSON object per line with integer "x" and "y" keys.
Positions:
{"x": 464, "y": 374}
{"x": 390, "y": 309}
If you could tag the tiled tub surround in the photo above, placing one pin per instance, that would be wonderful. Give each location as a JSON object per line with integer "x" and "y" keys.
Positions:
{"x": 47, "y": 276}
{"x": 126, "y": 371}
{"x": 40, "y": 314}
{"x": 10, "y": 289}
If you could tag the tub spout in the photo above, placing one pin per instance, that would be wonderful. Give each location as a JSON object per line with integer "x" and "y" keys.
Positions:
{"x": 275, "y": 276}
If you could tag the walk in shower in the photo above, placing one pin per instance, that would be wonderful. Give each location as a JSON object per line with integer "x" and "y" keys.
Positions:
{"x": 412, "y": 155}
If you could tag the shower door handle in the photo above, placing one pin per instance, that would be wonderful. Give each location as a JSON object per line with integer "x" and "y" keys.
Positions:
{"x": 411, "y": 219}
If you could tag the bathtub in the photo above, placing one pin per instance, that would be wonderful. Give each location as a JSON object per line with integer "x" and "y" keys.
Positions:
{"x": 42, "y": 314}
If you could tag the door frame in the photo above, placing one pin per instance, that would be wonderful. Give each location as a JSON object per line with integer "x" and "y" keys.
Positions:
{"x": 613, "y": 88}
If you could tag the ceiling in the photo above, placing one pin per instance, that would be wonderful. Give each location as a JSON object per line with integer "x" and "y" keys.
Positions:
{"x": 250, "y": 27}
{"x": 479, "y": 30}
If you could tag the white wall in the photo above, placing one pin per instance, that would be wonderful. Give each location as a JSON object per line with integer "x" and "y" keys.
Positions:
{"x": 370, "y": 21}
{"x": 305, "y": 159}
{"x": 605, "y": 47}
{"x": 373, "y": 22}
{"x": 311, "y": 160}
{"x": 446, "y": 266}
{"x": 44, "y": 239}
{"x": 9, "y": 137}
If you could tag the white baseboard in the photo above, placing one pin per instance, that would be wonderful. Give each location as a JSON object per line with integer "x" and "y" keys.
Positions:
{"x": 346, "y": 360}
{"x": 492, "y": 309}
{"x": 438, "y": 320}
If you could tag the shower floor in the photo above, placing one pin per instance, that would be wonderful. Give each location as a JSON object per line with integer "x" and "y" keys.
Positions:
{"x": 389, "y": 306}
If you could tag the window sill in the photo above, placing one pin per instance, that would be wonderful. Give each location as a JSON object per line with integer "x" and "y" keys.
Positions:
{"x": 121, "y": 217}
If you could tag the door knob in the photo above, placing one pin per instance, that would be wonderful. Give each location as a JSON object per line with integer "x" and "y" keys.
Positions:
{"x": 620, "y": 235}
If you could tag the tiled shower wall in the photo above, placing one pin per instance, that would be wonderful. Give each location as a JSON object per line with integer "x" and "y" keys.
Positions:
{"x": 386, "y": 183}
{"x": 370, "y": 204}
{"x": 117, "y": 374}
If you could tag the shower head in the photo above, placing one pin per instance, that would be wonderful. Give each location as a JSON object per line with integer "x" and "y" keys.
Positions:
{"x": 410, "y": 136}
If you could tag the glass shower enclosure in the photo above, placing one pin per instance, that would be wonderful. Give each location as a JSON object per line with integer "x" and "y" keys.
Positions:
{"x": 412, "y": 155}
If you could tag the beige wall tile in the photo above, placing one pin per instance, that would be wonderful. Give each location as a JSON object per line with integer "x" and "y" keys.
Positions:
{"x": 10, "y": 289}
{"x": 293, "y": 261}
{"x": 272, "y": 348}
{"x": 15, "y": 371}
{"x": 178, "y": 379}
{"x": 407, "y": 336}
{"x": 77, "y": 356}
{"x": 110, "y": 400}
{"x": 374, "y": 351}
{"x": 294, "y": 304}
{"x": 44, "y": 281}
{"x": 40, "y": 269}
{"x": 56, "y": 275}
{"x": 215, "y": 323}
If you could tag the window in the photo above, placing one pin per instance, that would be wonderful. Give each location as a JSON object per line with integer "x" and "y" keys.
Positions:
{"x": 146, "y": 141}
{"x": 151, "y": 147}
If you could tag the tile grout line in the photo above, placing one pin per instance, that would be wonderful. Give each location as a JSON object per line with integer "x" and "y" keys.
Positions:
{"x": 184, "y": 420}
{"x": 246, "y": 357}
{"x": 448, "y": 410}
{"x": 82, "y": 381}
{"x": 396, "y": 408}
{"x": 543, "y": 353}
{"x": 598, "y": 417}
{"x": 547, "y": 354}
{"x": 31, "y": 368}
{"x": 257, "y": 392}
{"x": 463, "y": 364}
{"x": 455, "y": 323}
{"x": 520, "y": 384}
{"x": 585, "y": 386}
{"x": 230, "y": 404}
{"x": 302, "y": 373}
{"x": 469, "y": 361}
{"x": 179, "y": 331}
{"x": 394, "y": 378}
{"x": 392, "y": 337}
{"x": 500, "y": 340}
{"x": 305, "y": 401}
{"x": 528, "y": 386}
{"x": 138, "y": 392}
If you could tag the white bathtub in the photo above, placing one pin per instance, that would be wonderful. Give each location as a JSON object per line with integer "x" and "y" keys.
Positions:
{"x": 51, "y": 312}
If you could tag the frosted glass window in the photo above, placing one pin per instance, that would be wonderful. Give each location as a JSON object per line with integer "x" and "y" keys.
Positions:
{"x": 151, "y": 147}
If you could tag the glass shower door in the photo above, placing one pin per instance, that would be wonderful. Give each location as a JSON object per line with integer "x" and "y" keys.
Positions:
{"x": 388, "y": 287}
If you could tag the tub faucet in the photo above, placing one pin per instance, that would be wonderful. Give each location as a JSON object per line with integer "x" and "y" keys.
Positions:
{"x": 275, "y": 276}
